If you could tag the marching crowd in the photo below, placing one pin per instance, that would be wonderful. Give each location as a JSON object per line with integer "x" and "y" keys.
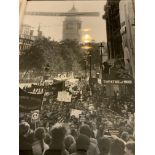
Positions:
{"x": 64, "y": 140}
{"x": 106, "y": 130}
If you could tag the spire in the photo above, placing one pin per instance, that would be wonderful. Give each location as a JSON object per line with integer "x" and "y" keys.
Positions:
{"x": 39, "y": 31}
{"x": 73, "y": 4}
{"x": 73, "y": 9}
{"x": 39, "y": 28}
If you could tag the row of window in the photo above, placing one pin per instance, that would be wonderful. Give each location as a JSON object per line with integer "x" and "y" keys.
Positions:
{"x": 72, "y": 26}
{"x": 26, "y": 41}
{"x": 23, "y": 47}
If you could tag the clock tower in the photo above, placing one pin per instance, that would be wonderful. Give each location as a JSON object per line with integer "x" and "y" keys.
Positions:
{"x": 72, "y": 26}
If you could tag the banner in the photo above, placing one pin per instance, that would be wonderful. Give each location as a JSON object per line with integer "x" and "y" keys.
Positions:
{"x": 56, "y": 86}
{"x": 75, "y": 112}
{"x": 64, "y": 96}
{"x": 113, "y": 132}
{"x": 71, "y": 82}
{"x": 99, "y": 81}
{"x": 82, "y": 117}
{"x": 29, "y": 102}
{"x": 35, "y": 116}
{"x": 117, "y": 82}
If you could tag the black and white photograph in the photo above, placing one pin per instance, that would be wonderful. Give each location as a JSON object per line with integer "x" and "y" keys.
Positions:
{"x": 77, "y": 77}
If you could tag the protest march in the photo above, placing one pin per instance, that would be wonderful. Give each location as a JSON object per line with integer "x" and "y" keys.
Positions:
{"x": 68, "y": 116}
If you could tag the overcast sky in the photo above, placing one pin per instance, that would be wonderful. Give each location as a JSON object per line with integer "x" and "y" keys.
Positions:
{"x": 52, "y": 26}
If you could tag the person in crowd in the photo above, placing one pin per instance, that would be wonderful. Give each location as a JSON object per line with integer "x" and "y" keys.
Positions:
{"x": 57, "y": 146}
{"x": 117, "y": 147}
{"x": 93, "y": 148}
{"x": 25, "y": 139}
{"x": 82, "y": 145}
{"x": 39, "y": 146}
{"x": 68, "y": 141}
{"x": 74, "y": 133}
{"x": 130, "y": 148}
{"x": 104, "y": 144}
{"x": 46, "y": 126}
{"x": 125, "y": 136}
{"x": 94, "y": 129}
{"x": 47, "y": 139}
{"x": 100, "y": 132}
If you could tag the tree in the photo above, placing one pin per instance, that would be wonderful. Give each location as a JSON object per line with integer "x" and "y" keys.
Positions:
{"x": 60, "y": 56}
{"x": 72, "y": 54}
{"x": 31, "y": 59}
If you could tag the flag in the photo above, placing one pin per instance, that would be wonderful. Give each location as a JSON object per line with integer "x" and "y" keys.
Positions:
{"x": 56, "y": 86}
{"x": 29, "y": 102}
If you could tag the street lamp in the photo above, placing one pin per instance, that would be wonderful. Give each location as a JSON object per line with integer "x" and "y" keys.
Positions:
{"x": 90, "y": 76}
{"x": 85, "y": 63}
{"x": 86, "y": 40}
{"x": 101, "y": 63}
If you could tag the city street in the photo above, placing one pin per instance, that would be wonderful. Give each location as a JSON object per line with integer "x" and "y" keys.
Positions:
{"x": 76, "y": 79}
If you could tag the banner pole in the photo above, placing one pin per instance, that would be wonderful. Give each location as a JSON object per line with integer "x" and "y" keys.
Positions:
{"x": 35, "y": 125}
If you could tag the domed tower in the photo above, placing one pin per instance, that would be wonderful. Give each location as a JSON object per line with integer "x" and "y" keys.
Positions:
{"x": 72, "y": 26}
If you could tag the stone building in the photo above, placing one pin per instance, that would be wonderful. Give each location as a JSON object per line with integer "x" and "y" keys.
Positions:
{"x": 72, "y": 26}
{"x": 120, "y": 18}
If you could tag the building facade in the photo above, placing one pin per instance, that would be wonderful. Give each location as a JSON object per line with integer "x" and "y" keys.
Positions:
{"x": 114, "y": 39}
{"x": 26, "y": 37}
{"x": 127, "y": 20}
{"x": 120, "y": 16}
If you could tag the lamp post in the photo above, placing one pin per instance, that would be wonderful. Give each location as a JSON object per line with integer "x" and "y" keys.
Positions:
{"x": 85, "y": 63}
{"x": 90, "y": 75}
{"x": 101, "y": 63}
{"x": 87, "y": 39}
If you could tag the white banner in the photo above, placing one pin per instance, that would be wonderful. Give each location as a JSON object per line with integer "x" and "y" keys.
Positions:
{"x": 75, "y": 112}
{"x": 99, "y": 81}
{"x": 35, "y": 116}
{"x": 64, "y": 96}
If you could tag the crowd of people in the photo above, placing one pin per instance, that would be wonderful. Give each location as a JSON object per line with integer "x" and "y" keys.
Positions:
{"x": 62, "y": 139}
{"x": 108, "y": 129}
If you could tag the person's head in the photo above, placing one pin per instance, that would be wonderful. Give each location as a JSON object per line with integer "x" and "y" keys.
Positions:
{"x": 58, "y": 133}
{"x": 74, "y": 133}
{"x": 68, "y": 141}
{"x": 24, "y": 127}
{"x": 125, "y": 136}
{"x": 117, "y": 147}
{"x": 82, "y": 143}
{"x": 47, "y": 138}
{"x": 101, "y": 129}
{"x": 93, "y": 126}
{"x": 130, "y": 148}
{"x": 39, "y": 133}
{"x": 85, "y": 130}
{"x": 104, "y": 144}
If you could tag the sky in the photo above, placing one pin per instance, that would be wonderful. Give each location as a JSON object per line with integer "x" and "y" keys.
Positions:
{"x": 52, "y": 26}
